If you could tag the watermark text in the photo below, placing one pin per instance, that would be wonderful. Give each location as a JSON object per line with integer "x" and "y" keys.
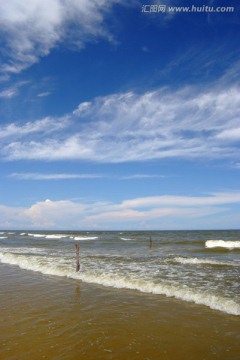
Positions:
{"x": 186, "y": 9}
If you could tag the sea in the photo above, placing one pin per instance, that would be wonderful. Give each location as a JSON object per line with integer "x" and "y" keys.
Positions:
{"x": 144, "y": 295}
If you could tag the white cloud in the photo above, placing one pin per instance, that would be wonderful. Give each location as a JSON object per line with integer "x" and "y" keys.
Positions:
{"x": 51, "y": 213}
{"x": 31, "y": 28}
{"x": 10, "y": 217}
{"x": 182, "y": 201}
{"x": 46, "y": 125}
{"x": 155, "y": 208}
{"x": 62, "y": 176}
{"x": 128, "y": 216}
{"x": 141, "y": 176}
{"x": 149, "y": 212}
{"x": 44, "y": 94}
{"x": 187, "y": 123}
{"x": 230, "y": 134}
{"x": 8, "y": 93}
{"x": 50, "y": 149}
{"x": 37, "y": 176}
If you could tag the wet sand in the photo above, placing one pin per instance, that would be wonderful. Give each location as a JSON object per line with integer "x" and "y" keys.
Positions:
{"x": 47, "y": 317}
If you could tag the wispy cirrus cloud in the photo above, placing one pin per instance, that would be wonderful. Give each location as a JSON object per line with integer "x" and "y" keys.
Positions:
{"x": 38, "y": 176}
{"x": 139, "y": 213}
{"x": 8, "y": 93}
{"x": 12, "y": 91}
{"x": 67, "y": 176}
{"x": 187, "y": 123}
{"x": 31, "y": 28}
{"x": 46, "y": 125}
{"x": 44, "y": 94}
{"x": 230, "y": 134}
{"x": 141, "y": 176}
{"x": 150, "y": 209}
{"x": 183, "y": 201}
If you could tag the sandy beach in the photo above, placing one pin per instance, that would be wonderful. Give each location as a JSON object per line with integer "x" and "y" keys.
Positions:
{"x": 47, "y": 317}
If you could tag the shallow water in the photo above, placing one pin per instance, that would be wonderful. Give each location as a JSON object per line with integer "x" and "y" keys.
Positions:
{"x": 200, "y": 267}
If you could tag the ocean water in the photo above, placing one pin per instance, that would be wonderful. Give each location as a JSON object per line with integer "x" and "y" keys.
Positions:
{"x": 137, "y": 295}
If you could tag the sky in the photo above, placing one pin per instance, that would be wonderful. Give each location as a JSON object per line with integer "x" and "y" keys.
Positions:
{"x": 119, "y": 114}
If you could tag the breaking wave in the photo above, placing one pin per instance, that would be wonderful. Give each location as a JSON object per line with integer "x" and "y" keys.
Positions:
{"x": 85, "y": 238}
{"x": 196, "y": 261}
{"x": 222, "y": 244}
{"x": 64, "y": 267}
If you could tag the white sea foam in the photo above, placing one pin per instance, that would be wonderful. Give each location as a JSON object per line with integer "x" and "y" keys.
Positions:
{"x": 3, "y": 237}
{"x": 45, "y": 265}
{"x": 64, "y": 267}
{"x": 85, "y": 237}
{"x": 56, "y": 236}
{"x": 24, "y": 250}
{"x": 179, "y": 292}
{"x": 37, "y": 235}
{"x": 223, "y": 244}
{"x": 197, "y": 261}
{"x": 48, "y": 236}
{"x": 125, "y": 239}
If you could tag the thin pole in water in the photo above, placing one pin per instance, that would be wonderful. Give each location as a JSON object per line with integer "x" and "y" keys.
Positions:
{"x": 150, "y": 242}
{"x": 77, "y": 257}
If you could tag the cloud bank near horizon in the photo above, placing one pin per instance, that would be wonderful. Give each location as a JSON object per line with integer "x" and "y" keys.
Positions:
{"x": 153, "y": 212}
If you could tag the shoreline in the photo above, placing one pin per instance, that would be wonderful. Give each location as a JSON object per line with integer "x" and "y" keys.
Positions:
{"x": 59, "y": 318}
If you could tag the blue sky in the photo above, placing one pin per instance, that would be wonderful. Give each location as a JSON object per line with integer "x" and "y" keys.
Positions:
{"x": 114, "y": 118}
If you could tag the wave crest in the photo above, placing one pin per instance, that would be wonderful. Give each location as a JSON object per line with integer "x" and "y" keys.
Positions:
{"x": 223, "y": 244}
